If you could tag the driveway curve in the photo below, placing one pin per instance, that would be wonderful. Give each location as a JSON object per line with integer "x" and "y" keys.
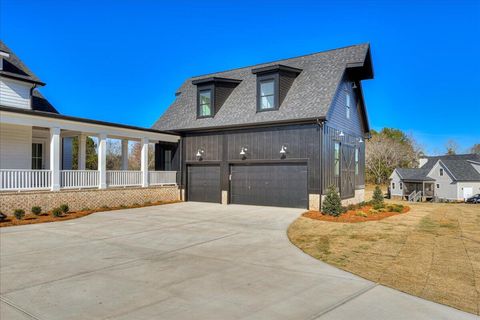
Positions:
{"x": 184, "y": 261}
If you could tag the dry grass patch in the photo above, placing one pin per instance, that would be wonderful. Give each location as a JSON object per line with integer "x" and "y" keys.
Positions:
{"x": 432, "y": 252}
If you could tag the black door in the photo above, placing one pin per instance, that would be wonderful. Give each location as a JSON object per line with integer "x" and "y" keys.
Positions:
{"x": 204, "y": 183}
{"x": 282, "y": 185}
{"x": 347, "y": 176}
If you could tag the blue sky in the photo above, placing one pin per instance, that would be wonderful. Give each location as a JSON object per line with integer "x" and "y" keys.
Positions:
{"x": 122, "y": 61}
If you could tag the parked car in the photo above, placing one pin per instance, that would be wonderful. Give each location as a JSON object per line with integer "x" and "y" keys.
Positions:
{"x": 474, "y": 199}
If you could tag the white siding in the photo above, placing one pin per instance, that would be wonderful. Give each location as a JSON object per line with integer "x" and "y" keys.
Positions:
{"x": 14, "y": 93}
{"x": 395, "y": 179}
{"x": 470, "y": 184}
{"x": 15, "y": 146}
{"x": 448, "y": 187}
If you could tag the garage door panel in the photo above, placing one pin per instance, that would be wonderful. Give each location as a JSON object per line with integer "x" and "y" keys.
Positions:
{"x": 283, "y": 185}
{"x": 204, "y": 183}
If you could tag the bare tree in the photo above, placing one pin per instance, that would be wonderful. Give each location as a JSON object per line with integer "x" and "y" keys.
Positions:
{"x": 135, "y": 156}
{"x": 387, "y": 150}
{"x": 475, "y": 148}
{"x": 451, "y": 146}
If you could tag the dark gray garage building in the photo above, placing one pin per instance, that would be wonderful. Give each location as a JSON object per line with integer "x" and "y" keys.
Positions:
{"x": 275, "y": 134}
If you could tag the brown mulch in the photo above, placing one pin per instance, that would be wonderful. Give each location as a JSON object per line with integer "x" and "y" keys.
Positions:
{"x": 48, "y": 217}
{"x": 351, "y": 215}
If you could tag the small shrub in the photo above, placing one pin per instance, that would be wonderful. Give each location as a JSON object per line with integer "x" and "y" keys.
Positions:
{"x": 135, "y": 205}
{"x": 19, "y": 214}
{"x": 332, "y": 205}
{"x": 147, "y": 203}
{"x": 57, "y": 212}
{"x": 104, "y": 207}
{"x": 36, "y": 210}
{"x": 123, "y": 206}
{"x": 64, "y": 207}
{"x": 86, "y": 209}
{"x": 377, "y": 206}
{"x": 373, "y": 211}
{"x": 377, "y": 199}
{"x": 361, "y": 214}
{"x": 3, "y": 216}
{"x": 351, "y": 207}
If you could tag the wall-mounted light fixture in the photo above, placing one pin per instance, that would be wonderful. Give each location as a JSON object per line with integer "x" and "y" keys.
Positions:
{"x": 283, "y": 150}
{"x": 243, "y": 151}
{"x": 200, "y": 153}
{"x": 360, "y": 141}
{"x": 341, "y": 134}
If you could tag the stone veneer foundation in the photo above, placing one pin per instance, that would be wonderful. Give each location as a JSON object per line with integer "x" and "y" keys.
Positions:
{"x": 359, "y": 197}
{"x": 85, "y": 198}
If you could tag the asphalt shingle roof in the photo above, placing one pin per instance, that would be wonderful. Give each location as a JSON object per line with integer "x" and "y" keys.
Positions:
{"x": 309, "y": 97}
{"x": 459, "y": 165}
{"x": 414, "y": 174}
{"x": 13, "y": 66}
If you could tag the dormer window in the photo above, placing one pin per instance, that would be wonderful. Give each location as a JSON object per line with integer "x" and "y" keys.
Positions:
{"x": 205, "y": 103}
{"x": 267, "y": 94}
{"x": 212, "y": 93}
{"x": 273, "y": 83}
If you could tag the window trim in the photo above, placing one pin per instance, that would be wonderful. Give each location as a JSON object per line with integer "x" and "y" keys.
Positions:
{"x": 200, "y": 89}
{"x": 42, "y": 156}
{"x": 276, "y": 96}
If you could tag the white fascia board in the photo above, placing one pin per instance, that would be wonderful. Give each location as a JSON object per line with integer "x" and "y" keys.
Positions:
{"x": 90, "y": 128}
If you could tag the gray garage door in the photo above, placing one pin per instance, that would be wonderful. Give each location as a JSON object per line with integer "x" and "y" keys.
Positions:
{"x": 282, "y": 185}
{"x": 204, "y": 183}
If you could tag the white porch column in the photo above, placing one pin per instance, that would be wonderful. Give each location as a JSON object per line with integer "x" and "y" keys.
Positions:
{"x": 144, "y": 162}
{"x": 82, "y": 152}
{"x": 124, "y": 154}
{"x": 102, "y": 160}
{"x": 55, "y": 158}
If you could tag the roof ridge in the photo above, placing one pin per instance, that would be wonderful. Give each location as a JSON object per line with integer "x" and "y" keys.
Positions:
{"x": 278, "y": 60}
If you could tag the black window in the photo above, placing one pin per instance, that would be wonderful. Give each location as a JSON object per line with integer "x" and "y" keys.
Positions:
{"x": 401, "y": 186}
{"x": 267, "y": 94}
{"x": 205, "y": 103}
{"x": 441, "y": 172}
{"x": 393, "y": 185}
{"x": 337, "y": 159}
{"x": 168, "y": 160}
{"x": 37, "y": 156}
{"x": 438, "y": 186}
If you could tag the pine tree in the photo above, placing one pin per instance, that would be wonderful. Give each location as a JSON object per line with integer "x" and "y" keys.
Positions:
{"x": 332, "y": 205}
{"x": 377, "y": 199}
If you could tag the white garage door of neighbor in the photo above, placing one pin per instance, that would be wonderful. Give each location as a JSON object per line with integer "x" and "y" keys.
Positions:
{"x": 467, "y": 192}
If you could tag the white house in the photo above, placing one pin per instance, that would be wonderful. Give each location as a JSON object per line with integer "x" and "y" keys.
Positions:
{"x": 449, "y": 177}
{"x": 34, "y": 140}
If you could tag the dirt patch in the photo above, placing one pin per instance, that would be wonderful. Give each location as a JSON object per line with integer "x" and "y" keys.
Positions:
{"x": 354, "y": 216}
{"x": 432, "y": 252}
{"x": 48, "y": 217}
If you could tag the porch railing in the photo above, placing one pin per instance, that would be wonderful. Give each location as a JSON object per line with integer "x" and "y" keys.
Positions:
{"x": 24, "y": 179}
{"x": 156, "y": 178}
{"x": 71, "y": 179}
{"x": 124, "y": 178}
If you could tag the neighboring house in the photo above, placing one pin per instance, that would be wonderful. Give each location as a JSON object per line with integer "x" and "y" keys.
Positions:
{"x": 276, "y": 133}
{"x": 449, "y": 177}
{"x": 35, "y": 139}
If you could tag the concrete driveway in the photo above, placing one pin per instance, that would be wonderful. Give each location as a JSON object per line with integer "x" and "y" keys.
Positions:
{"x": 185, "y": 261}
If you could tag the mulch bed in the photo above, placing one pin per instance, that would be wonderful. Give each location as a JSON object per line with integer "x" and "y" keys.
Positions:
{"x": 351, "y": 216}
{"x": 48, "y": 217}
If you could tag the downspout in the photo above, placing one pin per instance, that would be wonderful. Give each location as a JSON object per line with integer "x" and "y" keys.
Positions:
{"x": 31, "y": 95}
{"x": 320, "y": 125}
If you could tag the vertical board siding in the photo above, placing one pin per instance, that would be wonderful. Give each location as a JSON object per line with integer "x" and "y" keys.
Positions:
{"x": 302, "y": 141}
{"x": 14, "y": 94}
{"x": 337, "y": 115}
{"x": 15, "y": 146}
